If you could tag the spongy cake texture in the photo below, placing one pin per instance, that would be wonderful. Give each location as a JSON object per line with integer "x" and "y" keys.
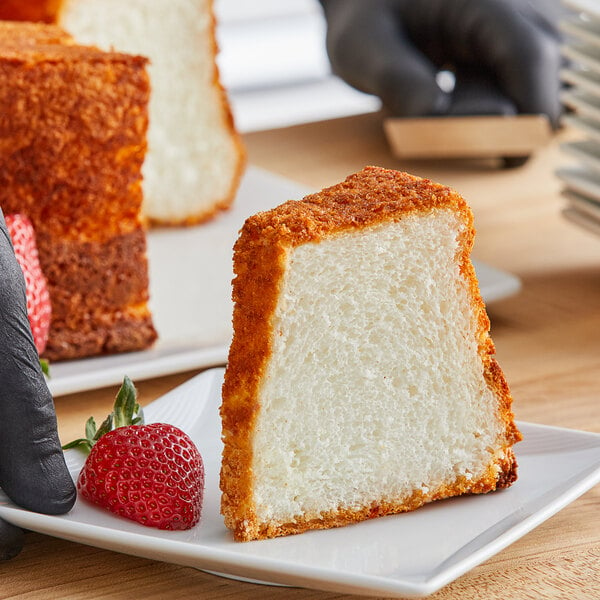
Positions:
{"x": 195, "y": 156}
{"x": 361, "y": 379}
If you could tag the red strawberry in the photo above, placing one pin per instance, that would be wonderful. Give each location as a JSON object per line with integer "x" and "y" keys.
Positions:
{"x": 39, "y": 309}
{"x": 152, "y": 474}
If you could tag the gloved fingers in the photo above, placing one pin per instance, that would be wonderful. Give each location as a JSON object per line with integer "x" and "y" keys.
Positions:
{"x": 532, "y": 80}
{"x": 11, "y": 540}
{"x": 476, "y": 93}
{"x": 370, "y": 50}
{"x": 507, "y": 39}
{"x": 547, "y": 14}
{"x": 37, "y": 479}
{"x": 33, "y": 472}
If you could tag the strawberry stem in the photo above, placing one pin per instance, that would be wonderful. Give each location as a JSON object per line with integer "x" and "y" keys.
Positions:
{"x": 126, "y": 411}
{"x": 125, "y": 404}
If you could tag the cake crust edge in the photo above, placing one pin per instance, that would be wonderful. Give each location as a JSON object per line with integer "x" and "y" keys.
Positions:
{"x": 368, "y": 198}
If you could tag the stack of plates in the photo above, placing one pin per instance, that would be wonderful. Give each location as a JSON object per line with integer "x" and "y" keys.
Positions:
{"x": 582, "y": 50}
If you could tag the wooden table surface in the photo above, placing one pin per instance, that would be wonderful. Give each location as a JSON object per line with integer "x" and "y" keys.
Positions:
{"x": 548, "y": 343}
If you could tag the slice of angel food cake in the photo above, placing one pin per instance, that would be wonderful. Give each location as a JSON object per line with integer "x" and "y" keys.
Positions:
{"x": 361, "y": 378}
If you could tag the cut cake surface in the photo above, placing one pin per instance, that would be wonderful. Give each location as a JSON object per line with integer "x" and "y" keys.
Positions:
{"x": 73, "y": 138}
{"x": 361, "y": 378}
{"x": 195, "y": 157}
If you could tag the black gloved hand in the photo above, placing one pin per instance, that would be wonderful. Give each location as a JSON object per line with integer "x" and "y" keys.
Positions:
{"x": 504, "y": 54}
{"x": 33, "y": 472}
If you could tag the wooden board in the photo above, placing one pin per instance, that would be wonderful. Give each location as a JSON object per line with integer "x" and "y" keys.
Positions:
{"x": 467, "y": 137}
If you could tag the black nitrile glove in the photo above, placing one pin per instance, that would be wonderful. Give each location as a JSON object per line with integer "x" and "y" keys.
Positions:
{"x": 33, "y": 472}
{"x": 504, "y": 54}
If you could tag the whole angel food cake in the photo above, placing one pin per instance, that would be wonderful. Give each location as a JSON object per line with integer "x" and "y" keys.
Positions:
{"x": 195, "y": 157}
{"x": 73, "y": 123}
{"x": 361, "y": 378}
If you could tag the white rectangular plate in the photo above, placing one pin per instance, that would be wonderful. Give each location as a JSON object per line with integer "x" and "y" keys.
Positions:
{"x": 190, "y": 293}
{"x": 412, "y": 554}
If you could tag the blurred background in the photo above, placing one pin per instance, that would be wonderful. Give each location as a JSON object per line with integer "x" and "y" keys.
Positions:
{"x": 274, "y": 65}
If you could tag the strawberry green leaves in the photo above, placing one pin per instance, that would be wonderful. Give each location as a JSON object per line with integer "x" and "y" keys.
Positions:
{"x": 126, "y": 411}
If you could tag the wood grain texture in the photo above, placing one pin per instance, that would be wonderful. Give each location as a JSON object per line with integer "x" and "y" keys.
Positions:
{"x": 467, "y": 137}
{"x": 548, "y": 342}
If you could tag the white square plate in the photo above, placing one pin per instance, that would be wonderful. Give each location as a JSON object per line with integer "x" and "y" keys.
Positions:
{"x": 411, "y": 554}
{"x": 190, "y": 293}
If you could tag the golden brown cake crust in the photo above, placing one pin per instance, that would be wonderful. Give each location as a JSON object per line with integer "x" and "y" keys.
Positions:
{"x": 51, "y": 12}
{"x": 72, "y": 144}
{"x": 109, "y": 332}
{"x": 43, "y": 11}
{"x": 371, "y": 197}
{"x": 30, "y": 33}
{"x": 99, "y": 294}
